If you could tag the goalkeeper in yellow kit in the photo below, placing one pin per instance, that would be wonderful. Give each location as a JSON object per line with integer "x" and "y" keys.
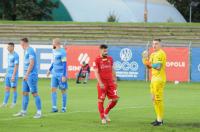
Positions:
{"x": 157, "y": 63}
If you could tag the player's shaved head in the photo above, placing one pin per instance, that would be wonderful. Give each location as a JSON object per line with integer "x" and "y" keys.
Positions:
{"x": 56, "y": 43}
{"x": 56, "y": 40}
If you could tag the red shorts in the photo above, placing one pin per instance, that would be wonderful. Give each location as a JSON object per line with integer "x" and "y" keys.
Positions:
{"x": 110, "y": 90}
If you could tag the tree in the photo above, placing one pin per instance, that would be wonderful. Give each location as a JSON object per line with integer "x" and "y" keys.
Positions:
{"x": 184, "y": 8}
{"x": 27, "y": 9}
{"x": 6, "y": 9}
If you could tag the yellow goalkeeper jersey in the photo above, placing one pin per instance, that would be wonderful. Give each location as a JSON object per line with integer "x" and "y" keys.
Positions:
{"x": 158, "y": 57}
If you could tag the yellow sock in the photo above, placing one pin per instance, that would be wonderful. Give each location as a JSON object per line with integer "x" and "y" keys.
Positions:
{"x": 156, "y": 108}
{"x": 159, "y": 109}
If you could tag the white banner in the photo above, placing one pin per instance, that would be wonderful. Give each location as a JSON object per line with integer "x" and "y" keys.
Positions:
{"x": 43, "y": 53}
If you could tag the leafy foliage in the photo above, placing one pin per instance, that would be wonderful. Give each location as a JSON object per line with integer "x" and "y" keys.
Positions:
{"x": 27, "y": 9}
{"x": 184, "y": 7}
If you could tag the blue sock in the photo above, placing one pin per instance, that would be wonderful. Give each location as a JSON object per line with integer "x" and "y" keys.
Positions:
{"x": 64, "y": 100}
{"x": 38, "y": 102}
{"x": 14, "y": 97}
{"x": 6, "y": 97}
{"x": 54, "y": 100}
{"x": 25, "y": 102}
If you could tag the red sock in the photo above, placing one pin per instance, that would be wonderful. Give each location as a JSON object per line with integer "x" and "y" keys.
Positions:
{"x": 101, "y": 109}
{"x": 110, "y": 106}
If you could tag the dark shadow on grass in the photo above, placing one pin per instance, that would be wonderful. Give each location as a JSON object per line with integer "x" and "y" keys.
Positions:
{"x": 184, "y": 125}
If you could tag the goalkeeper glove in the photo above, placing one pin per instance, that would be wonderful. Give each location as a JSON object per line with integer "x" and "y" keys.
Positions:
{"x": 148, "y": 64}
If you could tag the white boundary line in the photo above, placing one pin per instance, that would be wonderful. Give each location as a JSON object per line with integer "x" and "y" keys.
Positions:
{"x": 73, "y": 112}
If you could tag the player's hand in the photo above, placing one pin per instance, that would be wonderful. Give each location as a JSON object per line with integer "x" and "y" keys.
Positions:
{"x": 101, "y": 85}
{"x": 64, "y": 79}
{"x": 148, "y": 64}
{"x": 145, "y": 54}
{"x": 13, "y": 79}
{"x": 26, "y": 77}
{"x": 48, "y": 73}
{"x": 115, "y": 81}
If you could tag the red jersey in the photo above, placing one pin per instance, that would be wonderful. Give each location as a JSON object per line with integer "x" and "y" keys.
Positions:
{"x": 105, "y": 67}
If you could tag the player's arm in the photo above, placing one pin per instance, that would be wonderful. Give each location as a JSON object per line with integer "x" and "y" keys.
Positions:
{"x": 113, "y": 72}
{"x": 65, "y": 68}
{"x": 114, "y": 75}
{"x": 158, "y": 63}
{"x": 15, "y": 68}
{"x": 50, "y": 69}
{"x": 97, "y": 75}
{"x": 14, "y": 72}
{"x": 145, "y": 59}
{"x": 157, "y": 66}
{"x": 96, "y": 72}
{"x": 150, "y": 65}
{"x": 31, "y": 64}
{"x": 30, "y": 67}
{"x": 64, "y": 64}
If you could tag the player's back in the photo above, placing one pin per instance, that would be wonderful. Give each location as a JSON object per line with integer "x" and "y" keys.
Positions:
{"x": 30, "y": 54}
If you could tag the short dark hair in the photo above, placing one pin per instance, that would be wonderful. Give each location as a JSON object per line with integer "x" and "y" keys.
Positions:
{"x": 24, "y": 40}
{"x": 157, "y": 39}
{"x": 11, "y": 44}
{"x": 103, "y": 46}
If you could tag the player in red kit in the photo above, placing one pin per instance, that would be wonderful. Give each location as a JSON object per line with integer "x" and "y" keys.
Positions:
{"x": 106, "y": 86}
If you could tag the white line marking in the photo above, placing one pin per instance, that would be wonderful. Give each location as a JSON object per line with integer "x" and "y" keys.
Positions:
{"x": 74, "y": 112}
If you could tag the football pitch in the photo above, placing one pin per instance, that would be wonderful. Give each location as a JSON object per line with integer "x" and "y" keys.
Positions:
{"x": 133, "y": 113}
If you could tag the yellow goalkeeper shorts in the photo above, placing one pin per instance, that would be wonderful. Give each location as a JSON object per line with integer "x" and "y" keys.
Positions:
{"x": 157, "y": 88}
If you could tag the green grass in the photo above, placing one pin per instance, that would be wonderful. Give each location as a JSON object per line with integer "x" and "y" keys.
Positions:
{"x": 133, "y": 113}
{"x": 98, "y": 23}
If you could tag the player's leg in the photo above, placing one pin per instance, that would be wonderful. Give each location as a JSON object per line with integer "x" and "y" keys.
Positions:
{"x": 86, "y": 77}
{"x": 54, "y": 85}
{"x": 7, "y": 91}
{"x": 25, "y": 99}
{"x": 101, "y": 98}
{"x": 63, "y": 87}
{"x": 33, "y": 84}
{"x": 157, "y": 97}
{"x": 78, "y": 78}
{"x": 14, "y": 86}
{"x": 113, "y": 96}
{"x": 153, "y": 100}
{"x": 159, "y": 101}
{"x": 64, "y": 100}
{"x": 152, "y": 89}
{"x": 14, "y": 100}
{"x": 38, "y": 105}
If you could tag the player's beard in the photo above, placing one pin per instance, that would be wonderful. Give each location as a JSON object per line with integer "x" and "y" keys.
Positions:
{"x": 104, "y": 55}
{"x": 54, "y": 47}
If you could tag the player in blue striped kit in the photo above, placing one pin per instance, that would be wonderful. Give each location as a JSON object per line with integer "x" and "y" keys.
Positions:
{"x": 30, "y": 80}
{"x": 11, "y": 76}
{"x": 59, "y": 75}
